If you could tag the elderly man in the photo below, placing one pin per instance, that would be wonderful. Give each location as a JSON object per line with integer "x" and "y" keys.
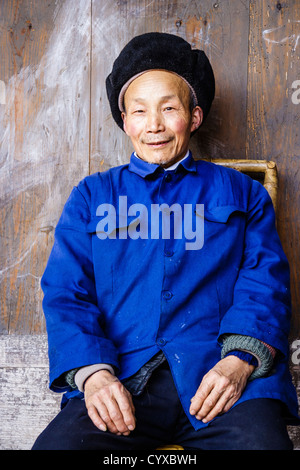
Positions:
{"x": 167, "y": 291}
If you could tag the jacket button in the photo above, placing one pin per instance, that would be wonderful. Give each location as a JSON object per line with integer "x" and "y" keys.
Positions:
{"x": 161, "y": 341}
{"x": 169, "y": 253}
{"x": 167, "y": 295}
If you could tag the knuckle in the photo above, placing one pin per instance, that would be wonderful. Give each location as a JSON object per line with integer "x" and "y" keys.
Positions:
{"x": 126, "y": 407}
{"x": 219, "y": 409}
{"x": 208, "y": 374}
{"x": 214, "y": 374}
{"x": 201, "y": 394}
{"x": 118, "y": 386}
{"x": 234, "y": 392}
{"x": 210, "y": 403}
{"x": 105, "y": 417}
{"x": 232, "y": 389}
{"x": 105, "y": 392}
{"x": 225, "y": 382}
{"x": 115, "y": 415}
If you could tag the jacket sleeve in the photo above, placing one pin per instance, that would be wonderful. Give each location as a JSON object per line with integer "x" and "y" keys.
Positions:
{"x": 73, "y": 318}
{"x": 261, "y": 300}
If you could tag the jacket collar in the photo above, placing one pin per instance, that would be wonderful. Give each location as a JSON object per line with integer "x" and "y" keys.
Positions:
{"x": 144, "y": 169}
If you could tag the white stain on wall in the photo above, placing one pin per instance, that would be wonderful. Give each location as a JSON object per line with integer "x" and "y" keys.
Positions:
{"x": 288, "y": 33}
{"x": 2, "y": 92}
{"x": 44, "y": 138}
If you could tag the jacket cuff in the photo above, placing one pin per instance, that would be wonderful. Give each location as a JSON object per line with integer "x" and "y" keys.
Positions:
{"x": 76, "y": 377}
{"x": 252, "y": 345}
{"x": 244, "y": 356}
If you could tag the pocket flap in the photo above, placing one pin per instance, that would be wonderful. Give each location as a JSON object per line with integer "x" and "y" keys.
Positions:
{"x": 220, "y": 214}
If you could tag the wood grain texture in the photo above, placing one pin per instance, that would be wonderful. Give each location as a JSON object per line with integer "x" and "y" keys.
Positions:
{"x": 27, "y": 405}
{"x": 44, "y": 143}
{"x": 273, "y": 118}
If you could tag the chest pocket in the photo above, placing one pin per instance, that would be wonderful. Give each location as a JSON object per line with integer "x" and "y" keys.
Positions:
{"x": 223, "y": 225}
{"x": 221, "y": 214}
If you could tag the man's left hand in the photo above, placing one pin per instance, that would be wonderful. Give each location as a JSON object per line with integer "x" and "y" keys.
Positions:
{"x": 220, "y": 388}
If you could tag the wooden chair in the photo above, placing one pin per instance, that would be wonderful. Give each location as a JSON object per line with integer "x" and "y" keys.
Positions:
{"x": 263, "y": 171}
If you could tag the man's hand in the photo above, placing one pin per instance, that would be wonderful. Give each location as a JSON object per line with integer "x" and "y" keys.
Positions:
{"x": 220, "y": 388}
{"x": 109, "y": 404}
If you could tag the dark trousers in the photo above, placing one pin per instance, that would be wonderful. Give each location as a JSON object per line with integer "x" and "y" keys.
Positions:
{"x": 253, "y": 425}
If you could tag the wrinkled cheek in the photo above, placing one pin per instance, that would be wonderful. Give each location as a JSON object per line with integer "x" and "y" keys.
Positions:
{"x": 180, "y": 126}
{"x": 131, "y": 130}
{"x": 180, "y": 131}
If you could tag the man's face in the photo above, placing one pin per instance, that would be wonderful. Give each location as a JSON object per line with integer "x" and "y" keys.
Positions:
{"x": 157, "y": 117}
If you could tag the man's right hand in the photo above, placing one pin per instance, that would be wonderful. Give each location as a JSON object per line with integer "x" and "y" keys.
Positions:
{"x": 109, "y": 403}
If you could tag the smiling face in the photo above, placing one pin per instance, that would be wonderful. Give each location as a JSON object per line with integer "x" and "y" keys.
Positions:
{"x": 158, "y": 118}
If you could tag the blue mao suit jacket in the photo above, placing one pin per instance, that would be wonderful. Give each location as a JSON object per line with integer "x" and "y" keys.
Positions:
{"x": 117, "y": 289}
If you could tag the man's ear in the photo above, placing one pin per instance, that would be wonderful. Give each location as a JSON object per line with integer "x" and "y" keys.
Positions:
{"x": 123, "y": 115}
{"x": 197, "y": 118}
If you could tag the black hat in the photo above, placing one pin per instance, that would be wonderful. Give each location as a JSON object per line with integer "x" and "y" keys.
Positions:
{"x": 162, "y": 51}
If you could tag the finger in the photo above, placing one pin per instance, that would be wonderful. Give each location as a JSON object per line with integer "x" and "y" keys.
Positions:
{"x": 226, "y": 401}
{"x": 121, "y": 408}
{"x": 116, "y": 416}
{"x": 201, "y": 395}
{"x": 96, "y": 418}
{"x": 209, "y": 403}
{"x": 231, "y": 402}
{"x": 104, "y": 419}
{"x": 112, "y": 406}
{"x": 217, "y": 407}
{"x": 126, "y": 407}
{"x": 108, "y": 407}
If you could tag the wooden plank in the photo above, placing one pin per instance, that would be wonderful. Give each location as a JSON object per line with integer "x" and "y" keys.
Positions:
{"x": 273, "y": 117}
{"x": 214, "y": 27}
{"x": 221, "y": 30}
{"x": 44, "y": 146}
{"x": 27, "y": 405}
{"x": 23, "y": 351}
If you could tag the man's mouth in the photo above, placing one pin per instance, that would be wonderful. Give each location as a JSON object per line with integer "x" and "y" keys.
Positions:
{"x": 158, "y": 144}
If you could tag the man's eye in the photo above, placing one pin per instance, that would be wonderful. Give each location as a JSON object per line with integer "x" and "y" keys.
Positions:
{"x": 138, "y": 111}
{"x": 169, "y": 108}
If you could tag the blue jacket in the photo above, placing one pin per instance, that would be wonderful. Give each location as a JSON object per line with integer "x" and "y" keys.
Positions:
{"x": 117, "y": 289}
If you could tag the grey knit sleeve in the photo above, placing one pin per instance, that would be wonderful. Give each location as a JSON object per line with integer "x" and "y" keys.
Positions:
{"x": 252, "y": 345}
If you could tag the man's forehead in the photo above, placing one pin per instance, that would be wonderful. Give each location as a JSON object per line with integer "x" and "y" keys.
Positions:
{"x": 158, "y": 78}
{"x": 167, "y": 84}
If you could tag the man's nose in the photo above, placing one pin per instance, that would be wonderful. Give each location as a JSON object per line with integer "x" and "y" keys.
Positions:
{"x": 155, "y": 122}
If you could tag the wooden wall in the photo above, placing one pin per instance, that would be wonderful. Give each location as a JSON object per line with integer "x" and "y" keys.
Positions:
{"x": 56, "y": 127}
